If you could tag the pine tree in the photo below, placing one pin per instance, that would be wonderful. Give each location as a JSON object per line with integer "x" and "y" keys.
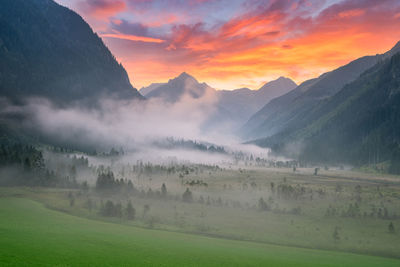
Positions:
{"x": 130, "y": 211}
{"x": 163, "y": 190}
{"x": 187, "y": 196}
{"x": 391, "y": 228}
{"x": 335, "y": 235}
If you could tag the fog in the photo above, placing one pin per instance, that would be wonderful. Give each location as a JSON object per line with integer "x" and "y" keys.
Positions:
{"x": 158, "y": 165}
{"x": 133, "y": 126}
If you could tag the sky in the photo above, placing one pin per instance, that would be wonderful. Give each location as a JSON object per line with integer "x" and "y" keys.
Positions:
{"x": 239, "y": 43}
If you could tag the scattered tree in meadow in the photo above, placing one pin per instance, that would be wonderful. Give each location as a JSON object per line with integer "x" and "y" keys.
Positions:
{"x": 187, "y": 196}
{"x": 146, "y": 209}
{"x": 118, "y": 210}
{"x": 272, "y": 187}
{"x": 89, "y": 204}
{"x": 85, "y": 187}
{"x": 108, "y": 209}
{"x": 391, "y": 228}
{"x": 130, "y": 211}
{"x": 336, "y": 235}
{"x": 163, "y": 190}
{"x": 262, "y": 205}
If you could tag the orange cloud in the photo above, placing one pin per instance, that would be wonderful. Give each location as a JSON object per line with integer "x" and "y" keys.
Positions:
{"x": 132, "y": 38}
{"x": 297, "y": 39}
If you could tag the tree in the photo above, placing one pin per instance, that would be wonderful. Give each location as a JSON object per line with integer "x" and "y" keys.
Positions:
{"x": 130, "y": 211}
{"x": 163, "y": 190}
{"x": 72, "y": 171}
{"x": 146, "y": 209}
{"x": 391, "y": 228}
{"x": 89, "y": 204}
{"x": 262, "y": 205}
{"x": 335, "y": 235}
{"x": 27, "y": 164}
{"x": 118, "y": 210}
{"x": 108, "y": 209}
{"x": 187, "y": 196}
{"x": 85, "y": 187}
{"x": 105, "y": 181}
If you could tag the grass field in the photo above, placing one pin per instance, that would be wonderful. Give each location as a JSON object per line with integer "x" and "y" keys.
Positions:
{"x": 32, "y": 235}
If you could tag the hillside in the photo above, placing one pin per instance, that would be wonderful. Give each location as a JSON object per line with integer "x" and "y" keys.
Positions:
{"x": 242, "y": 103}
{"x": 49, "y": 51}
{"x": 360, "y": 124}
{"x": 284, "y": 112}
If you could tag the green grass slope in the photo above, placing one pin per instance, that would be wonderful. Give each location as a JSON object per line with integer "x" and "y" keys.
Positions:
{"x": 31, "y": 235}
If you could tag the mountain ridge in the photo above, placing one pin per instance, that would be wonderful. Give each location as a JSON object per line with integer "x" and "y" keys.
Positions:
{"x": 357, "y": 125}
{"x": 282, "y": 112}
{"x": 48, "y": 50}
{"x": 240, "y": 104}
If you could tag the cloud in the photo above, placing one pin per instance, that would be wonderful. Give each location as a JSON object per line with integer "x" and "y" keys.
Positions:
{"x": 132, "y": 38}
{"x": 126, "y": 27}
{"x": 102, "y": 8}
{"x": 233, "y": 43}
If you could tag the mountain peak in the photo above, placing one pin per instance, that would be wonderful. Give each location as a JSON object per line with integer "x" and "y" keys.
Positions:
{"x": 175, "y": 88}
{"x": 281, "y": 81}
{"x": 283, "y": 78}
{"x": 184, "y": 75}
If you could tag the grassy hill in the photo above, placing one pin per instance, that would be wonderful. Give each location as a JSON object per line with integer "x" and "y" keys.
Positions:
{"x": 32, "y": 235}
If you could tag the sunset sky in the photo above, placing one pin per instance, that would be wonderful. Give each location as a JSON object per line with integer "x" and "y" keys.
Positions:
{"x": 239, "y": 43}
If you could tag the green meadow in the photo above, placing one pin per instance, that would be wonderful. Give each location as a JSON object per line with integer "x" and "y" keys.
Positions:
{"x": 33, "y": 235}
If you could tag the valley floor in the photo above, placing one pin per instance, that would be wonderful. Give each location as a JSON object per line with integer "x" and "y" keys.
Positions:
{"x": 32, "y": 235}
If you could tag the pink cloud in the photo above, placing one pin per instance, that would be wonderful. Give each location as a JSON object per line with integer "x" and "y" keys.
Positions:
{"x": 132, "y": 37}
{"x": 103, "y": 8}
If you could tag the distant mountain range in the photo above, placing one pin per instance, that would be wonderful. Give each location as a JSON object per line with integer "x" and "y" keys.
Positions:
{"x": 48, "y": 50}
{"x": 243, "y": 103}
{"x": 326, "y": 121}
{"x": 233, "y": 105}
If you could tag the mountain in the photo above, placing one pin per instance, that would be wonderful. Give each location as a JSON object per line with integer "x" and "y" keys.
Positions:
{"x": 233, "y": 106}
{"x": 359, "y": 124}
{"x": 146, "y": 90}
{"x": 284, "y": 112}
{"x": 242, "y": 103}
{"x": 175, "y": 89}
{"x": 49, "y": 51}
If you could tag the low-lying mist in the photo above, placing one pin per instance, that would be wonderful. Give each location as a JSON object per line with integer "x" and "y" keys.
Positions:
{"x": 135, "y": 126}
